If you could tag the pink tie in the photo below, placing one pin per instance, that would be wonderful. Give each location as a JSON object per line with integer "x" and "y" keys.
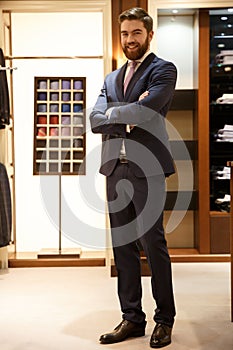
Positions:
{"x": 130, "y": 74}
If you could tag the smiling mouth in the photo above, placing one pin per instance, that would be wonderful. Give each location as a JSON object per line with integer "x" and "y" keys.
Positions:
{"x": 132, "y": 47}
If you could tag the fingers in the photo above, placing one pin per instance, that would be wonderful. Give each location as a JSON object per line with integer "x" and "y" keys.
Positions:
{"x": 142, "y": 96}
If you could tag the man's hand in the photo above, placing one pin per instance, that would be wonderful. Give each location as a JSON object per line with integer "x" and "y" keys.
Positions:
{"x": 142, "y": 96}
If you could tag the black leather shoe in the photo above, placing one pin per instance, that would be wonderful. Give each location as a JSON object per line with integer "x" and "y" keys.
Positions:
{"x": 161, "y": 336}
{"x": 124, "y": 330}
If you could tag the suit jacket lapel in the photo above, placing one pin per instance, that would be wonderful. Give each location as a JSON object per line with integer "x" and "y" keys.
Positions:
{"x": 145, "y": 64}
{"x": 119, "y": 87}
{"x": 120, "y": 83}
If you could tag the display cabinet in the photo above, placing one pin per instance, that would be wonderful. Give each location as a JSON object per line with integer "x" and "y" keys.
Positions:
{"x": 221, "y": 129}
{"x": 59, "y": 125}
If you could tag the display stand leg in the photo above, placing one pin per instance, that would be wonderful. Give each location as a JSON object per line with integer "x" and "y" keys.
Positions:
{"x": 59, "y": 253}
{"x": 60, "y": 211}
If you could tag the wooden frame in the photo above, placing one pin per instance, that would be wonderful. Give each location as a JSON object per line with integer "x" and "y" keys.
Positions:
{"x": 231, "y": 236}
{"x": 203, "y": 135}
{"x": 59, "y": 126}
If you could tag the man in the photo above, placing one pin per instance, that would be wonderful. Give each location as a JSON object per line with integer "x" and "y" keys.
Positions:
{"x": 136, "y": 159}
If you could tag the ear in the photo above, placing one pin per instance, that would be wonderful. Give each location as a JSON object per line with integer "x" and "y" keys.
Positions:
{"x": 151, "y": 34}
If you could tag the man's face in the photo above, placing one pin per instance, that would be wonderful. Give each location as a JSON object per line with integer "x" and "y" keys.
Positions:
{"x": 135, "y": 40}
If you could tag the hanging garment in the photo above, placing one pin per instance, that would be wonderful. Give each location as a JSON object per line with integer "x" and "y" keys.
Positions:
{"x": 4, "y": 95}
{"x": 5, "y": 208}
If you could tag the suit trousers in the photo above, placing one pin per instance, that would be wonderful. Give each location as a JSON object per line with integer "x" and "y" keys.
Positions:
{"x": 136, "y": 217}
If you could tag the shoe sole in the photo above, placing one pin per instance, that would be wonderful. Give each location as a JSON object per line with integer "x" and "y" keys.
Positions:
{"x": 160, "y": 346}
{"x": 132, "y": 335}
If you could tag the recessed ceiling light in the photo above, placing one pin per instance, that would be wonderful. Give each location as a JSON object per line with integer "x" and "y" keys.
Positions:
{"x": 230, "y": 10}
{"x": 224, "y": 18}
{"x": 174, "y": 11}
{"x": 221, "y": 45}
{"x": 229, "y": 25}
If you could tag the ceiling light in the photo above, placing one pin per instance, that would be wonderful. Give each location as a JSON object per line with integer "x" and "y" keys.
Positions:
{"x": 174, "y": 11}
{"x": 230, "y": 10}
{"x": 224, "y": 18}
{"x": 221, "y": 45}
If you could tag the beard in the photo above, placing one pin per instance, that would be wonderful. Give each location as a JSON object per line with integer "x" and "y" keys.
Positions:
{"x": 141, "y": 50}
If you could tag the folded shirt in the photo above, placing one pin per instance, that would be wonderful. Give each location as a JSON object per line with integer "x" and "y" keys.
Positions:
{"x": 225, "y": 98}
{"x": 224, "y": 57}
{"x": 223, "y": 174}
{"x": 225, "y": 134}
{"x": 226, "y": 198}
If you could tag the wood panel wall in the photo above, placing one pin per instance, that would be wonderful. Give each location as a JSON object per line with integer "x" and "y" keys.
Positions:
{"x": 203, "y": 135}
{"x": 117, "y": 8}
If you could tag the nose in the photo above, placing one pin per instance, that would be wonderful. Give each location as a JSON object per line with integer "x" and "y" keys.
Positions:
{"x": 130, "y": 38}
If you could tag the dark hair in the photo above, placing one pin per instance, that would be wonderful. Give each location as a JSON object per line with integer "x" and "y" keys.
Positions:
{"x": 137, "y": 13}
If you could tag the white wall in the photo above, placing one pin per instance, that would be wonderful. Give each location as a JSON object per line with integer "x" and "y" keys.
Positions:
{"x": 57, "y": 34}
{"x": 175, "y": 42}
{"x": 83, "y": 220}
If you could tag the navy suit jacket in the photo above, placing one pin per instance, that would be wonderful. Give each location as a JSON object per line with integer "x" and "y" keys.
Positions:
{"x": 147, "y": 145}
{"x": 4, "y": 95}
{"x": 5, "y": 208}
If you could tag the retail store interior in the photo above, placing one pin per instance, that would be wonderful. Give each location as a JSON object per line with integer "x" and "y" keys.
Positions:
{"x": 58, "y": 278}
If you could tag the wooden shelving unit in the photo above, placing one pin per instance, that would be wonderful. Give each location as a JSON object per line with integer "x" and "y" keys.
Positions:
{"x": 220, "y": 148}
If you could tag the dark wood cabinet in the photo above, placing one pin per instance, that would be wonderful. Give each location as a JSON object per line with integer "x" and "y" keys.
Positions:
{"x": 220, "y": 129}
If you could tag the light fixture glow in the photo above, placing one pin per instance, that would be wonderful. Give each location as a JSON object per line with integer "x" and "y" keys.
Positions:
{"x": 174, "y": 11}
{"x": 223, "y": 37}
{"x": 224, "y": 18}
{"x": 230, "y": 10}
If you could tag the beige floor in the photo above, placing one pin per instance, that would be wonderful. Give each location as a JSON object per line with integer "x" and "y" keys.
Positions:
{"x": 68, "y": 308}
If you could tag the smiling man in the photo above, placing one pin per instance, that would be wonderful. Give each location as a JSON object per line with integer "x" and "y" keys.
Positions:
{"x": 136, "y": 159}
